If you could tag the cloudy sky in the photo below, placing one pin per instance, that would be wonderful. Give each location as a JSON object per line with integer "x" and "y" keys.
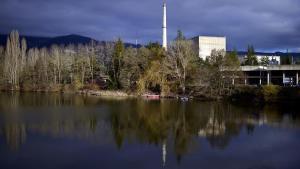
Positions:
{"x": 267, "y": 24}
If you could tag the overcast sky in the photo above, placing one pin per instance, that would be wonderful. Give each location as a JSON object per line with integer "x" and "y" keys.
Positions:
{"x": 267, "y": 24}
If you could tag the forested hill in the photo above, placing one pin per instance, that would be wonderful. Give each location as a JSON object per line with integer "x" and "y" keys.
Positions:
{"x": 294, "y": 54}
{"x": 39, "y": 42}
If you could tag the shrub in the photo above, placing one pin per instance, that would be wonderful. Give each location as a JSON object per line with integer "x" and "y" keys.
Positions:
{"x": 54, "y": 88}
{"x": 76, "y": 84}
{"x": 91, "y": 86}
{"x": 68, "y": 88}
{"x": 27, "y": 85}
{"x": 246, "y": 94}
{"x": 270, "y": 93}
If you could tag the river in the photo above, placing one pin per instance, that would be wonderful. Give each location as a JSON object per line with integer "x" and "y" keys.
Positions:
{"x": 53, "y": 131}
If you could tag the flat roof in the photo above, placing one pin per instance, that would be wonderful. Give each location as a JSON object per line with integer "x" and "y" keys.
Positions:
{"x": 270, "y": 68}
{"x": 207, "y": 36}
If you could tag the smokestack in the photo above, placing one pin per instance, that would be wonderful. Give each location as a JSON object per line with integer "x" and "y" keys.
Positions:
{"x": 164, "y": 27}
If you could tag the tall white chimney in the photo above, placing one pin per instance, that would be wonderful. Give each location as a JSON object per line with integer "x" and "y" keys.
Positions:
{"x": 164, "y": 27}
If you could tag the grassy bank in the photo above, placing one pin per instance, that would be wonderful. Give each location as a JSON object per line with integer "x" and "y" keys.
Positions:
{"x": 105, "y": 93}
{"x": 89, "y": 89}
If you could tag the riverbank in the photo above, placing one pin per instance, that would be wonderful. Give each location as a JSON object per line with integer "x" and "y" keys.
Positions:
{"x": 265, "y": 94}
{"x": 245, "y": 94}
{"x": 98, "y": 93}
{"x": 90, "y": 89}
{"x": 241, "y": 94}
{"x": 105, "y": 93}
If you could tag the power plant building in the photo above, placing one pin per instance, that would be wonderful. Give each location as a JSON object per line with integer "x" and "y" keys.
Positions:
{"x": 205, "y": 45}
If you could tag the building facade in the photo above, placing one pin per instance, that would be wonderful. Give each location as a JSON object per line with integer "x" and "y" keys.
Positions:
{"x": 272, "y": 74}
{"x": 205, "y": 45}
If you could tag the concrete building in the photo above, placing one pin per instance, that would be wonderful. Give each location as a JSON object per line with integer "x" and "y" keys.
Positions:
{"x": 271, "y": 74}
{"x": 205, "y": 44}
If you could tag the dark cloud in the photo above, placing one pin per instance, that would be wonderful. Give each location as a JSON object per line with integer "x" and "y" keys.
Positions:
{"x": 267, "y": 24}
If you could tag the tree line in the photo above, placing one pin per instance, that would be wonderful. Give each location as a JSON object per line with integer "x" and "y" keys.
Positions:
{"x": 150, "y": 68}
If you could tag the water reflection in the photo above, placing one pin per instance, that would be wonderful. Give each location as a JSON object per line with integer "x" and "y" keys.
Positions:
{"x": 170, "y": 125}
{"x": 15, "y": 135}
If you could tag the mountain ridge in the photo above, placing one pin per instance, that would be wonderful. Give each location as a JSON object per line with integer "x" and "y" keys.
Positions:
{"x": 41, "y": 41}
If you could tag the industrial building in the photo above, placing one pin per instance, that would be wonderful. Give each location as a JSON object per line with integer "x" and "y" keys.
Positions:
{"x": 205, "y": 45}
{"x": 284, "y": 75}
{"x": 272, "y": 73}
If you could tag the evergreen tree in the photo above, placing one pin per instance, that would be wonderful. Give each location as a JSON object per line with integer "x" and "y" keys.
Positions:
{"x": 179, "y": 36}
{"x": 286, "y": 60}
{"x": 231, "y": 59}
{"x": 156, "y": 51}
{"x": 251, "y": 59}
{"x": 265, "y": 61}
{"x": 116, "y": 63}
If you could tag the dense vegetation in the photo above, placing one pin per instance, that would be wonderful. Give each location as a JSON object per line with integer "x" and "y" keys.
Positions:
{"x": 266, "y": 94}
{"x": 135, "y": 70}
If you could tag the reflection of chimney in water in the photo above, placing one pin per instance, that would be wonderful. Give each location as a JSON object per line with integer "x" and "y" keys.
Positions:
{"x": 164, "y": 153}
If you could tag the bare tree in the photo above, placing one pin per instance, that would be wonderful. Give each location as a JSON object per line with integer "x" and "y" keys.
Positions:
{"x": 180, "y": 59}
{"x": 92, "y": 59}
{"x": 131, "y": 68}
{"x": 42, "y": 66}
{"x": 104, "y": 58}
{"x": 1, "y": 64}
{"x": 233, "y": 64}
{"x": 23, "y": 54}
{"x": 14, "y": 58}
{"x": 56, "y": 60}
{"x": 215, "y": 75}
{"x": 69, "y": 55}
{"x": 31, "y": 72}
{"x": 82, "y": 62}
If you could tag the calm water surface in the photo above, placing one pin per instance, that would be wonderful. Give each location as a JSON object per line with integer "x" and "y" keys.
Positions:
{"x": 43, "y": 131}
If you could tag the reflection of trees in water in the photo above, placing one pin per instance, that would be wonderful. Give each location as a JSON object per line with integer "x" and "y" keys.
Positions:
{"x": 146, "y": 121}
{"x": 15, "y": 135}
{"x": 52, "y": 115}
{"x": 166, "y": 123}
{"x": 86, "y": 129}
{"x": 154, "y": 122}
{"x": 223, "y": 123}
{"x": 181, "y": 123}
{"x": 16, "y": 99}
